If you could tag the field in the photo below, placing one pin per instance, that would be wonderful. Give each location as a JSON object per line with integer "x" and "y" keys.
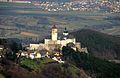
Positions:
{"x": 18, "y": 18}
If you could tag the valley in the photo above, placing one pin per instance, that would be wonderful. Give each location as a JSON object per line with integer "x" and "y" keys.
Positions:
{"x": 13, "y": 21}
{"x": 77, "y": 44}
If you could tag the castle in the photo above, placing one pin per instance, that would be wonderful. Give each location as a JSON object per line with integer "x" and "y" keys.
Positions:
{"x": 56, "y": 43}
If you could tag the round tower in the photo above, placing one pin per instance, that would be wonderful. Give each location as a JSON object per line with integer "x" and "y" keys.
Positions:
{"x": 65, "y": 33}
{"x": 54, "y": 32}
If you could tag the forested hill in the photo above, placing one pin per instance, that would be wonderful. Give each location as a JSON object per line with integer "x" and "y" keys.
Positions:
{"x": 99, "y": 44}
{"x": 97, "y": 68}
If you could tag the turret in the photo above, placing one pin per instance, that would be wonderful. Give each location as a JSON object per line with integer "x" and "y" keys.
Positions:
{"x": 54, "y": 32}
{"x": 65, "y": 33}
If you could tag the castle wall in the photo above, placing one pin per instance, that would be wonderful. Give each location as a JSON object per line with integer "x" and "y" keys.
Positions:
{"x": 43, "y": 46}
{"x": 46, "y": 41}
{"x": 83, "y": 50}
{"x": 65, "y": 42}
{"x": 78, "y": 45}
{"x": 34, "y": 46}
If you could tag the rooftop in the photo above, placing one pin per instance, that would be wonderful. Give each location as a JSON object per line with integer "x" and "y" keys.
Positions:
{"x": 54, "y": 27}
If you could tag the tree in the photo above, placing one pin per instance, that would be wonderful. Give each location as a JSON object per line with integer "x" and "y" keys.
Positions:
{"x": 15, "y": 47}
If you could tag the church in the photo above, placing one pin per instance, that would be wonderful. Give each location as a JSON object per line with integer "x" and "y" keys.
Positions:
{"x": 55, "y": 43}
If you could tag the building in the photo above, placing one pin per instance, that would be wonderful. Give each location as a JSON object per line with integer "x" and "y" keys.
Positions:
{"x": 54, "y": 44}
{"x": 5, "y": 0}
{"x": 52, "y": 48}
{"x": 1, "y": 50}
{"x": 21, "y": 1}
{"x": 16, "y": 1}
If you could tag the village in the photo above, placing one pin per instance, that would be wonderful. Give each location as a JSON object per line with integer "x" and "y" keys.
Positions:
{"x": 85, "y": 5}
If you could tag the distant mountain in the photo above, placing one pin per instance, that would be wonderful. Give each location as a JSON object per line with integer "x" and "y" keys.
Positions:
{"x": 99, "y": 44}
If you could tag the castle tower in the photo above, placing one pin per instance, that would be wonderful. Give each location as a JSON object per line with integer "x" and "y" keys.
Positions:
{"x": 54, "y": 33}
{"x": 65, "y": 33}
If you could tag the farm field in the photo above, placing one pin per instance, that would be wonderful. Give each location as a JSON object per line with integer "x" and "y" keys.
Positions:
{"x": 30, "y": 19}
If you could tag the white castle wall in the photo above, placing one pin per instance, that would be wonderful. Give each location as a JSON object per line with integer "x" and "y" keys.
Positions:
{"x": 34, "y": 46}
{"x": 65, "y": 42}
{"x": 46, "y": 41}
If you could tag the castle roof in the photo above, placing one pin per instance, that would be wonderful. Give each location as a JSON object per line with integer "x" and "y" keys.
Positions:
{"x": 54, "y": 27}
{"x": 65, "y": 30}
{"x": 70, "y": 36}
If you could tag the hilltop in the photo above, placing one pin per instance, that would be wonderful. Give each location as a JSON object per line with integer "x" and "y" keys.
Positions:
{"x": 99, "y": 44}
{"x": 40, "y": 68}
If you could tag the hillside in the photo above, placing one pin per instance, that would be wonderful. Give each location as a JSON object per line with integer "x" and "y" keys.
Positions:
{"x": 97, "y": 68}
{"x": 77, "y": 65}
{"x": 40, "y": 68}
{"x": 99, "y": 44}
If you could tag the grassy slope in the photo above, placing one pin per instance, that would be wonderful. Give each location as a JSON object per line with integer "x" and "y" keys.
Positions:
{"x": 50, "y": 69}
{"x": 36, "y": 65}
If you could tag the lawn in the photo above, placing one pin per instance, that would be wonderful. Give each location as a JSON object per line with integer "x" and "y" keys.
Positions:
{"x": 36, "y": 64}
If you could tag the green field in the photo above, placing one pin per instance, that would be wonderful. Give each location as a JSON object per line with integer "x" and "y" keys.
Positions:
{"x": 35, "y": 65}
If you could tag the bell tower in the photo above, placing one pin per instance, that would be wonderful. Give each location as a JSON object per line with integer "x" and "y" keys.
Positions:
{"x": 54, "y": 33}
